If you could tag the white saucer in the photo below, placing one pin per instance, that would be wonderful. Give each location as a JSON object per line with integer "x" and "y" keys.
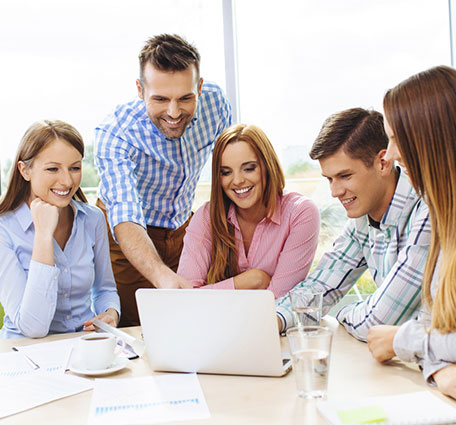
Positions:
{"x": 118, "y": 364}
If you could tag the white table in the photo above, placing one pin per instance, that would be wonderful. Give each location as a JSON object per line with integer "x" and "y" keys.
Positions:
{"x": 252, "y": 400}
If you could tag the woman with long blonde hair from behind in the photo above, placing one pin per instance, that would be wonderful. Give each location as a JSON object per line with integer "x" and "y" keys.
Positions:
{"x": 251, "y": 235}
{"x": 421, "y": 126}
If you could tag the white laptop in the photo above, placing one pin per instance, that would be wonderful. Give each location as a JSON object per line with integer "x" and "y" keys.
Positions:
{"x": 211, "y": 331}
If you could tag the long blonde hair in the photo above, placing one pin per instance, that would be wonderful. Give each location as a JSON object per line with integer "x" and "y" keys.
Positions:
{"x": 422, "y": 114}
{"x": 35, "y": 139}
{"x": 224, "y": 263}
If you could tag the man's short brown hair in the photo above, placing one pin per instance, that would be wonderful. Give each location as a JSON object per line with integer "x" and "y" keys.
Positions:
{"x": 168, "y": 52}
{"x": 359, "y": 132}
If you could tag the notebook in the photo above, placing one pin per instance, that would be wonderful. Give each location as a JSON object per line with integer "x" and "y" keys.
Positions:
{"x": 211, "y": 331}
{"x": 418, "y": 408}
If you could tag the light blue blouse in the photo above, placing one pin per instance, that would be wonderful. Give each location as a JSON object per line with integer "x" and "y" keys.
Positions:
{"x": 39, "y": 299}
{"x": 431, "y": 350}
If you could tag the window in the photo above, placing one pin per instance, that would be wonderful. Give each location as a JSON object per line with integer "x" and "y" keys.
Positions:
{"x": 300, "y": 61}
{"x": 75, "y": 60}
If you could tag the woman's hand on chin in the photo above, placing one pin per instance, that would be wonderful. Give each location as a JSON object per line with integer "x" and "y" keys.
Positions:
{"x": 45, "y": 217}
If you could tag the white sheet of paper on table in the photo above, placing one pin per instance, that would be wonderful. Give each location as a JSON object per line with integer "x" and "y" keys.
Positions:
{"x": 30, "y": 390}
{"x": 147, "y": 400}
{"x": 54, "y": 356}
{"x": 50, "y": 356}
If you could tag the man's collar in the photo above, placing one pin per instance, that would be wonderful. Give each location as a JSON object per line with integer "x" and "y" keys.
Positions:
{"x": 401, "y": 195}
{"x": 375, "y": 224}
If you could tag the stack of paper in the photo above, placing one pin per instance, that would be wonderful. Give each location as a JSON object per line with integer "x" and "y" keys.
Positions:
{"x": 23, "y": 387}
{"x": 115, "y": 401}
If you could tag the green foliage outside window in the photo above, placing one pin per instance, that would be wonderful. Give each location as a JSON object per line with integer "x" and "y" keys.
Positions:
{"x": 299, "y": 167}
{"x": 89, "y": 172}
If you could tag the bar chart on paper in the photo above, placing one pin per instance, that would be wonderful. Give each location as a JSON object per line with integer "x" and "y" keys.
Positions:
{"x": 13, "y": 365}
{"x": 150, "y": 399}
{"x": 103, "y": 410}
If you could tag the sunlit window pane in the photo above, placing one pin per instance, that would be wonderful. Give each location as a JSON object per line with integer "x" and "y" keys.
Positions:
{"x": 76, "y": 60}
{"x": 300, "y": 61}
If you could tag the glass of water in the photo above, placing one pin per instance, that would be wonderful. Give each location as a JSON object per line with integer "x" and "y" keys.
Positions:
{"x": 310, "y": 348}
{"x": 306, "y": 306}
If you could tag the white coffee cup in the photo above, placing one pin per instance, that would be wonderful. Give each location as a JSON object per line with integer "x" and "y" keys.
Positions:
{"x": 98, "y": 350}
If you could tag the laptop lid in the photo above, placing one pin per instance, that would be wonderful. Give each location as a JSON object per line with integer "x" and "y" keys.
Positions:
{"x": 211, "y": 331}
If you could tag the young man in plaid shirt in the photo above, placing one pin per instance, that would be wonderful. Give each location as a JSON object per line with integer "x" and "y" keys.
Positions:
{"x": 388, "y": 232}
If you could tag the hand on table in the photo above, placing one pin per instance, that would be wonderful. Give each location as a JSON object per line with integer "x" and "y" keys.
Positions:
{"x": 380, "y": 342}
{"x": 446, "y": 380}
{"x": 110, "y": 316}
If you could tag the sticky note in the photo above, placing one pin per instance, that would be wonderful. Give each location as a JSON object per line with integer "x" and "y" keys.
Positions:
{"x": 362, "y": 415}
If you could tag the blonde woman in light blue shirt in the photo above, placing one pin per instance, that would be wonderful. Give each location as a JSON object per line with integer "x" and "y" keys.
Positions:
{"x": 421, "y": 126}
{"x": 54, "y": 248}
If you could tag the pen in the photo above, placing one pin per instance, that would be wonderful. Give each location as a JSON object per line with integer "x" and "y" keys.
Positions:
{"x": 29, "y": 360}
{"x": 136, "y": 344}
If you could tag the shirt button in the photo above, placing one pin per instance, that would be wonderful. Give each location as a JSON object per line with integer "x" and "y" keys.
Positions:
{"x": 68, "y": 317}
{"x": 65, "y": 270}
{"x": 65, "y": 295}
{"x": 55, "y": 277}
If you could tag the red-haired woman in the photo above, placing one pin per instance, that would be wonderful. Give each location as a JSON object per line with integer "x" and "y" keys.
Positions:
{"x": 251, "y": 235}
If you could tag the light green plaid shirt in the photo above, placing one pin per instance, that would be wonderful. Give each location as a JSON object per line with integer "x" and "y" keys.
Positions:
{"x": 395, "y": 254}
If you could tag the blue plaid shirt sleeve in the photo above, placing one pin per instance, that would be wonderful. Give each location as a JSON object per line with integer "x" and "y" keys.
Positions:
{"x": 226, "y": 116}
{"x": 146, "y": 178}
{"x": 118, "y": 187}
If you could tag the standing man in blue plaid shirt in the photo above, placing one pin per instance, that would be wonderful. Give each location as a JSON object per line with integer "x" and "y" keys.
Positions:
{"x": 149, "y": 154}
{"x": 389, "y": 230}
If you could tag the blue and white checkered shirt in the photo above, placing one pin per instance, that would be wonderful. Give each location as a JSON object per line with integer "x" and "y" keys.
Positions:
{"x": 146, "y": 178}
{"x": 395, "y": 254}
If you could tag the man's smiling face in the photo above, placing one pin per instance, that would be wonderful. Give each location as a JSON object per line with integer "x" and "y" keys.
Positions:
{"x": 361, "y": 190}
{"x": 171, "y": 98}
